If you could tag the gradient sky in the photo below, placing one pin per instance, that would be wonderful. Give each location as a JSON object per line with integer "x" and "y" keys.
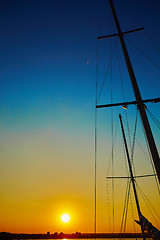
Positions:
{"x": 47, "y": 98}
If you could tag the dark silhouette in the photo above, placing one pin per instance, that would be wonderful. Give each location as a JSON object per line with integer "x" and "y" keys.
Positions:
{"x": 77, "y": 235}
{"x": 147, "y": 226}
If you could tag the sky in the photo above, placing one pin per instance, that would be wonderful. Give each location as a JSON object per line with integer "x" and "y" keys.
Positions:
{"x": 48, "y": 59}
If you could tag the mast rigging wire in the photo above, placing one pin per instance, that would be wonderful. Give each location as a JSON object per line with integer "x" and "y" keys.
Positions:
{"x": 112, "y": 139}
{"x": 132, "y": 214}
{"x": 151, "y": 161}
{"x": 149, "y": 203}
{"x": 108, "y": 205}
{"x": 154, "y": 44}
{"x": 124, "y": 216}
{"x": 139, "y": 23}
{"x": 133, "y": 143}
{"x": 120, "y": 72}
{"x": 154, "y": 118}
{"x": 125, "y": 205}
{"x": 126, "y": 213}
{"x": 106, "y": 73}
{"x": 113, "y": 147}
{"x": 149, "y": 59}
{"x": 95, "y": 157}
{"x": 107, "y": 176}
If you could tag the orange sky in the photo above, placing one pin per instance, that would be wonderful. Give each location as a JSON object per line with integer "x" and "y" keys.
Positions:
{"x": 42, "y": 182}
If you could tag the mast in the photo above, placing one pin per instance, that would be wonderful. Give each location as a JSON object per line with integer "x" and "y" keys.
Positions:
{"x": 131, "y": 175}
{"x": 144, "y": 118}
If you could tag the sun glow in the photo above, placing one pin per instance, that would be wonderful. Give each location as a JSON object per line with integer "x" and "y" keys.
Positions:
{"x": 65, "y": 218}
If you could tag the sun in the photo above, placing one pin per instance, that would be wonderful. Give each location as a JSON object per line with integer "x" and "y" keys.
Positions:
{"x": 65, "y": 217}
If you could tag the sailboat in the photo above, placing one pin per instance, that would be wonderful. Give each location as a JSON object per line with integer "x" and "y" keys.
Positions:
{"x": 140, "y": 103}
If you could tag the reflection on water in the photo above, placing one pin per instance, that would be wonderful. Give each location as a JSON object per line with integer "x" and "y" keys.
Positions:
{"x": 92, "y": 239}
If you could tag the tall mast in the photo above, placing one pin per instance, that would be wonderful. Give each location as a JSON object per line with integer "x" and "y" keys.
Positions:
{"x": 131, "y": 175}
{"x": 144, "y": 118}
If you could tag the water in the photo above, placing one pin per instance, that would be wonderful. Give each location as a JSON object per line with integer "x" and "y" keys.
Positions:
{"x": 89, "y": 238}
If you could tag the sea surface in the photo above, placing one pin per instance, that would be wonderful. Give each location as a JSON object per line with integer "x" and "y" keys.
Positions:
{"x": 95, "y": 238}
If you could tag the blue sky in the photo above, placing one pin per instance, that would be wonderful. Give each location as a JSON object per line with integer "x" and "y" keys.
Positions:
{"x": 45, "y": 47}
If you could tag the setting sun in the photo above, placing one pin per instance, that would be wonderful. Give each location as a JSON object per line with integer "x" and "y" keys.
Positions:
{"x": 65, "y": 218}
